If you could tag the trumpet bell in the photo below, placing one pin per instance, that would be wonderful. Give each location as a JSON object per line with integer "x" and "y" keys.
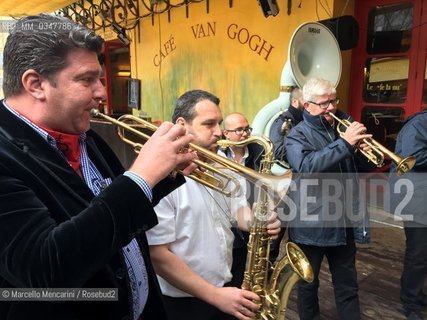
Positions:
{"x": 404, "y": 165}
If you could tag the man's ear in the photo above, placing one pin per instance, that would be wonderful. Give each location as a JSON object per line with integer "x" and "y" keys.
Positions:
{"x": 306, "y": 105}
{"x": 180, "y": 121}
{"x": 34, "y": 84}
{"x": 225, "y": 133}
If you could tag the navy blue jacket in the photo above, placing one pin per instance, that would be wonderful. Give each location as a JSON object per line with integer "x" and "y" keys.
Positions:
{"x": 409, "y": 197}
{"x": 278, "y": 137}
{"x": 326, "y": 191}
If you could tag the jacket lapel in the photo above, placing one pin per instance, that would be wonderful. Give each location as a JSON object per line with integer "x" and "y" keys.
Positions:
{"x": 44, "y": 157}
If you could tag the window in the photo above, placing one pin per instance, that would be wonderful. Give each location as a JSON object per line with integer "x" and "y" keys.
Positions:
{"x": 389, "y": 29}
{"x": 385, "y": 80}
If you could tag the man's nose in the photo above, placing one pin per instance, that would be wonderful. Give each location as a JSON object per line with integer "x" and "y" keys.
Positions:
{"x": 100, "y": 92}
{"x": 217, "y": 131}
{"x": 330, "y": 106}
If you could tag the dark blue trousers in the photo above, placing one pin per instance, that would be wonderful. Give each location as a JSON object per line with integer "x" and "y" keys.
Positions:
{"x": 342, "y": 266}
{"x": 414, "y": 266}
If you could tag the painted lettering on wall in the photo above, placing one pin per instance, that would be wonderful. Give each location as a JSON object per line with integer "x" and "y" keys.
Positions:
{"x": 203, "y": 31}
{"x": 164, "y": 51}
{"x": 242, "y": 35}
{"x": 253, "y": 41}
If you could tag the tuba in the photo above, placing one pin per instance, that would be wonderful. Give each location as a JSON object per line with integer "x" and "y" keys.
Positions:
{"x": 313, "y": 51}
{"x": 273, "y": 283}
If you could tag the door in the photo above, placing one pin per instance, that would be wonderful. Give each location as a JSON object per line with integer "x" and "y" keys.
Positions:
{"x": 388, "y": 71}
{"x": 116, "y": 76}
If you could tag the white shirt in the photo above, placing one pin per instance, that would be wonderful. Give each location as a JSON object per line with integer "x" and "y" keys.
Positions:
{"x": 196, "y": 221}
{"x": 242, "y": 181}
{"x": 230, "y": 155}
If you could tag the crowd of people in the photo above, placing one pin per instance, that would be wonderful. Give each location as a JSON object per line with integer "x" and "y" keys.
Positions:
{"x": 72, "y": 217}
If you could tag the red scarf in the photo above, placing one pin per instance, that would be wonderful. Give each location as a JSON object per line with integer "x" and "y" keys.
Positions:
{"x": 69, "y": 145}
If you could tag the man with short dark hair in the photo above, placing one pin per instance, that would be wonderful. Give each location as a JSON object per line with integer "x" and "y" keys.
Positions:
{"x": 70, "y": 215}
{"x": 191, "y": 247}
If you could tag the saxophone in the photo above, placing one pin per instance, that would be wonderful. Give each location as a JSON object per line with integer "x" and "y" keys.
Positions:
{"x": 272, "y": 283}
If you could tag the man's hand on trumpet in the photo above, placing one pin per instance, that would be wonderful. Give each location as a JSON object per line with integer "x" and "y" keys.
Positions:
{"x": 355, "y": 133}
{"x": 161, "y": 154}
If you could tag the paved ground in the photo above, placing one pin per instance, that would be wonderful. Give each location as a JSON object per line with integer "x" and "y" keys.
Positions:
{"x": 379, "y": 266}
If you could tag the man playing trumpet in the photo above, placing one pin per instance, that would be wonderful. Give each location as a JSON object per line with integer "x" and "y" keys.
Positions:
{"x": 70, "y": 215}
{"x": 323, "y": 229}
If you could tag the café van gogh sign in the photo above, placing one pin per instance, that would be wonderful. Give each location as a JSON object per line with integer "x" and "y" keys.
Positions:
{"x": 234, "y": 32}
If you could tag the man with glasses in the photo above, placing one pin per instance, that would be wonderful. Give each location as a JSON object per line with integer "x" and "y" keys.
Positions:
{"x": 324, "y": 166}
{"x": 236, "y": 128}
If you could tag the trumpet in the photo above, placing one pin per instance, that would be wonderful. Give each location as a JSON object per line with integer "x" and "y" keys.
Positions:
{"x": 378, "y": 151}
{"x": 213, "y": 175}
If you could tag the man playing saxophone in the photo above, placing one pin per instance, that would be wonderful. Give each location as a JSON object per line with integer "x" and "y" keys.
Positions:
{"x": 191, "y": 246}
{"x": 319, "y": 155}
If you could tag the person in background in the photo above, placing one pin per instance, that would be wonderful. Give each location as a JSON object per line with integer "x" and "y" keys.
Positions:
{"x": 319, "y": 155}
{"x": 284, "y": 123}
{"x": 412, "y": 141}
{"x": 70, "y": 215}
{"x": 191, "y": 247}
{"x": 236, "y": 128}
{"x": 278, "y": 132}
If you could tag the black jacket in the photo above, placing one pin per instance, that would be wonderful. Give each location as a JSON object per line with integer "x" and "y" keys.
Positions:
{"x": 55, "y": 234}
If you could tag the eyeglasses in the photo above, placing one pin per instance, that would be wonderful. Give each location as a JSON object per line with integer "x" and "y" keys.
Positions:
{"x": 240, "y": 130}
{"x": 325, "y": 104}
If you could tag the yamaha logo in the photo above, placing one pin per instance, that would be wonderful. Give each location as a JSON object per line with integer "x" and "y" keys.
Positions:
{"x": 313, "y": 30}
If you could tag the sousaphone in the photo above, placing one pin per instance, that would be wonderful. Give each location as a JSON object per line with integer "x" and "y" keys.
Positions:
{"x": 313, "y": 52}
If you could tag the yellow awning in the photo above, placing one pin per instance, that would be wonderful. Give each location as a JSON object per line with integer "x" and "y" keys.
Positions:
{"x": 29, "y": 7}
